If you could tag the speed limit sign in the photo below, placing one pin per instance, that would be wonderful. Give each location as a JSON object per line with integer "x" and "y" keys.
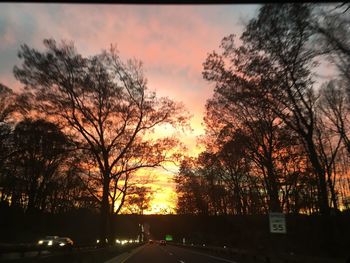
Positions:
{"x": 277, "y": 223}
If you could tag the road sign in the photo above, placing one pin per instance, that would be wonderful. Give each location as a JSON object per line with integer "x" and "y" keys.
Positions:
{"x": 277, "y": 223}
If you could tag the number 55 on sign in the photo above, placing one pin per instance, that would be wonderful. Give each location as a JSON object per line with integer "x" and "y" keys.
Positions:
{"x": 277, "y": 223}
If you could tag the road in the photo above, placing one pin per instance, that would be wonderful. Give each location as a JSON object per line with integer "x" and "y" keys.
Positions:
{"x": 167, "y": 254}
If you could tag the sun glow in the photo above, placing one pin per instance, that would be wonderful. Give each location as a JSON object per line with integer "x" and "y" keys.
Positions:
{"x": 162, "y": 188}
{"x": 164, "y": 202}
{"x": 162, "y": 178}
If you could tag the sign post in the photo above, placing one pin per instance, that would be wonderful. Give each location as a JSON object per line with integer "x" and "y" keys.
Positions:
{"x": 277, "y": 223}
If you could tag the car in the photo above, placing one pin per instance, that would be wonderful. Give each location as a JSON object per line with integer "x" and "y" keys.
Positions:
{"x": 162, "y": 243}
{"x": 150, "y": 241}
{"x": 56, "y": 242}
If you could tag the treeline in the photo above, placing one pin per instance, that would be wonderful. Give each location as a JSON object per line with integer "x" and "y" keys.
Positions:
{"x": 38, "y": 169}
{"x": 78, "y": 131}
{"x": 41, "y": 172}
{"x": 276, "y": 140}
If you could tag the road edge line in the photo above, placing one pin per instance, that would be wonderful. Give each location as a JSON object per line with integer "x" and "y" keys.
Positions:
{"x": 124, "y": 256}
{"x": 203, "y": 254}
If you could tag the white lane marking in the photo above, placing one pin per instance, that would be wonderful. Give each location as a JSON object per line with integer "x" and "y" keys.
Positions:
{"x": 221, "y": 259}
{"x": 181, "y": 261}
{"x": 125, "y": 256}
{"x": 133, "y": 253}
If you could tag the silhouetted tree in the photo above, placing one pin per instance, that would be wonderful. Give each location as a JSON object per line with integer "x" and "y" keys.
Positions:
{"x": 139, "y": 199}
{"x": 7, "y": 103}
{"x": 236, "y": 161}
{"x": 264, "y": 89}
{"x": 331, "y": 26}
{"x": 5, "y": 153}
{"x": 282, "y": 34}
{"x": 191, "y": 189}
{"x": 40, "y": 151}
{"x": 105, "y": 103}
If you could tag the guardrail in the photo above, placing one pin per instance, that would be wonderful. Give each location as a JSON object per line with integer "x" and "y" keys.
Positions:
{"x": 34, "y": 253}
{"x": 249, "y": 256}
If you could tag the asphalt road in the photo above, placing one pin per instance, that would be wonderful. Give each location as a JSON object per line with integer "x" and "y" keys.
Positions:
{"x": 154, "y": 253}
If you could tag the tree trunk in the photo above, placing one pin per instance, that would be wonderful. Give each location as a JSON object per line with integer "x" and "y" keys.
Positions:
{"x": 274, "y": 202}
{"x": 112, "y": 233}
{"x": 237, "y": 199}
{"x": 105, "y": 212}
{"x": 333, "y": 194}
{"x": 321, "y": 177}
{"x": 32, "y": 197}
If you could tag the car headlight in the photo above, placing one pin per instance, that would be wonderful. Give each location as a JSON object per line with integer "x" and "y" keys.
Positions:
{"x": 40, "y": 242}
{"x": 62, "y": 244}
{"x": 50, "y": 243}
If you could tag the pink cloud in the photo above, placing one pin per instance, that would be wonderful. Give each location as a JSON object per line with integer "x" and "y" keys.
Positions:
{"x": 172, "y": 41}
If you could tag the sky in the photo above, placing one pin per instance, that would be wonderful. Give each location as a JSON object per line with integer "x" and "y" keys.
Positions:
{"x": 172, "y": 41}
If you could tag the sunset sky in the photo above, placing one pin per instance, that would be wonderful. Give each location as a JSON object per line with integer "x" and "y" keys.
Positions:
{"x": 171, "y": 40}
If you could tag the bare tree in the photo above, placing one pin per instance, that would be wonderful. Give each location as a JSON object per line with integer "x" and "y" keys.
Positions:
{"x": 280, "y": 37}
{"x": 331, "y": 26}
{"x": 6, "y": 102}
{"x": 103, "y": 103}
{"x": 40, "y": 149}
{"x": 334, "y": 105}
{"x": 192, "y": 189}
{"x": 139, "y": 199}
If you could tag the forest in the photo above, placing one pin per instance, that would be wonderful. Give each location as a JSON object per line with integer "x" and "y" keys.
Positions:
{"x": 276, "y": 138}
